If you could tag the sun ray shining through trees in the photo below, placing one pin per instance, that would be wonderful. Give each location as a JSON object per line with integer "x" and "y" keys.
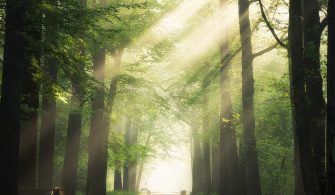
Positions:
{"x": 201, "y": 97}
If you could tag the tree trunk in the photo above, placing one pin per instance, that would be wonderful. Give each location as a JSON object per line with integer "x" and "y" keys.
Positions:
{"x": 48, "y": 114}
{"x": 109, "y": 109}
{"x": 315, "y": 101}
{"x": 206, "y": 163}
{"x": 196, "y": 167}
{"x": 248, "y": 118}
{"x": 47, "y": 132}
{"x": 14, "y": 58}
{"x": 298, "y": 180}
{"x": 298, "y": 97}
{"x": 139, "y": 177}
{"x": 229, "y": 163}
{"x": 98, "y": 136}
{"x": 331, "y": 97}
{"x": 72, "y": 146}
{"x": 118, "y": 179}
{"x": 242, "y": 167}
{"x": 30, "y": 100}
{"x": 215, "y": 168}
{"x": 129, "y": 174}
{"x": 126, "y": 185}
{"x": 125, "y": 178}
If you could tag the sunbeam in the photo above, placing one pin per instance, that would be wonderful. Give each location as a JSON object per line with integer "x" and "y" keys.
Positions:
{"x": 175, "y": 20}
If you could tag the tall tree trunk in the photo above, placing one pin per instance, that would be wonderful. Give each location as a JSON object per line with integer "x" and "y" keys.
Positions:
{"x": 242, "y": 169}
{"x": 215, "y": 167}
{"x": 118, "y": 178}
{"x": 72, "y": 146}
{"x": 126, "y": 164}
{"x": 248, "y": 118}
{"x": 98, "y": 137}
{"x": 206, "y": 162}
{"x": 229, "y": 163}
{"x": 197, "y": 160}
{"x": 316, "y": 103}
{"x": 298, "y": 98}
{"x": 30, "y": 99}
{"x": 48, "y": 114}
{"x": 109, "y": 109}
{"x": 133, "y": 166}
{"x": 298, "y": 180}
{"x": 125, "y": 186}
{"x": 47, "y": 130}
{"x": 139, "y": 176}
{"x": 13, "y": 61}
{"x": 129, "y": 175}
{"x": 141, "y": 166}
{"x": 331, "y": 97}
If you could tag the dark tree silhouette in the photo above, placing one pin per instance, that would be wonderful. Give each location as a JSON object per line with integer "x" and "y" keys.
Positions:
{"x": 13, "y": 62}
{"x": 331, "y": 97}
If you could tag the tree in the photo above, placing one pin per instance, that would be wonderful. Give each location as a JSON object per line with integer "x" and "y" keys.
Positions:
{"x": 98, "y": 137}
{"x": 229, "y": 161}
{"x": 108, "y": 112}
{"x": 248, "y": 118}
{"x": 206, "y": 175}
{"x": 314, "y": 92}
{"x": 331, "y": 98}
{"x": 48, "y": 108}
{"x": 30, "y": 98}
{"x": 298, "y": 97}
{"x": 13, "y": 63}
{"x": 74, "y": 130}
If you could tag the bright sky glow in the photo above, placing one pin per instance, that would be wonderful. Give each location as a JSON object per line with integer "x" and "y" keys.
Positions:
{"x": 170, "y": 175}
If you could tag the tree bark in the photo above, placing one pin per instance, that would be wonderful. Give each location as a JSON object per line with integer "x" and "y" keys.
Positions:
{"x": 215, "y": 168}
{"x": 48, "y": 114}
{"x": 30, "y": 100}
{"x": 47, "y": 130}
{"x": 126, "y": 185}
{"x": 196, "y": 167}
{"x": 248, "y": 118}
{"x": 109, "y": 109}
{"x": 229, "y": 163}
{"x": 72, "y": 146}
{"x": 298, "y": 98}
{"x": 118, "y": 179}
{"x": 331, "y": 97}
{"x": 298, "y": 180}
{"x": 98, "y": 136}
{"x": 13, "y": 61}
{"x": 206, "y": 164}
{"x": 314, "y": 92}
{"x": 129, "y": 174}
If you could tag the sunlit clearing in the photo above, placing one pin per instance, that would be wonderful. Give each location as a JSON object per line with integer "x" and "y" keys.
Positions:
{"x": 171, "y": 22}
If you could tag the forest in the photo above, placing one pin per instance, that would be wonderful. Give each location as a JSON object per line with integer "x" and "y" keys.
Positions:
{"x": 98, "y": 95}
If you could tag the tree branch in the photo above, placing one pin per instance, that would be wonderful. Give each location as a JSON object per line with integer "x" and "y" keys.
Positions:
{"x": 323, "y": 25}
{"x": 259, "y": 53}
{"x": 255, "y": 55}
{"x": 269, "y": 26}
